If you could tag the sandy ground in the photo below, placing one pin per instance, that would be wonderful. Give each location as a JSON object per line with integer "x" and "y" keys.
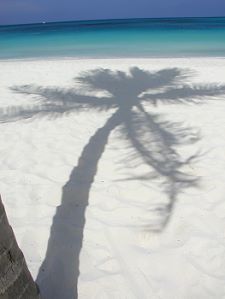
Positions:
{"x": 116, "y": 182}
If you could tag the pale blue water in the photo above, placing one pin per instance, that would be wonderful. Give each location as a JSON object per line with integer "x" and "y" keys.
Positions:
{"x": 175, "y": 37}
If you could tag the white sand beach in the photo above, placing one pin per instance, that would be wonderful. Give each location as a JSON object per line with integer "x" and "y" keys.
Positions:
{"x": 112, "y": 173}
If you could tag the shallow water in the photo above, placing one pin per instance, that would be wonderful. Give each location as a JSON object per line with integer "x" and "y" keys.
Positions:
{"x": 176, "y": 37}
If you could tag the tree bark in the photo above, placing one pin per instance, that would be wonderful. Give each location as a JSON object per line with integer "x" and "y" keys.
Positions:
{"x": 15, "y": 279}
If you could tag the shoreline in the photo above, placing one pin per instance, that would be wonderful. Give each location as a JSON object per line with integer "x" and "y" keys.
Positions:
{"x": 71, "y": 58}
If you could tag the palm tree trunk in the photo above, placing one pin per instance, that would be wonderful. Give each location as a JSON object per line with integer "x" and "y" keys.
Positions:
{"x": 60, "y": 270}
{"x": 15, "y": 279}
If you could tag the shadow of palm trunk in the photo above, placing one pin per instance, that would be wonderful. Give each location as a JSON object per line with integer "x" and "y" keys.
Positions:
{"x": 59, "y": 271}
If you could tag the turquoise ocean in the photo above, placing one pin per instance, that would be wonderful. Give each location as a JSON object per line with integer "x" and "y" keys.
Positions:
{"x": 173, "y": 37}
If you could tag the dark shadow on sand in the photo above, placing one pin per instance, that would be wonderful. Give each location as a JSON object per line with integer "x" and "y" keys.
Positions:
{"x": 151, "y": 138}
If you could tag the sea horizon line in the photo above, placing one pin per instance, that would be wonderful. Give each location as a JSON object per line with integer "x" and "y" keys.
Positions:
{"x": 95, "y": 21}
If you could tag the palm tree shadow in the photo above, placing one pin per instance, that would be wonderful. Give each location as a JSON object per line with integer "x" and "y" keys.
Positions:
{"x": 151, "y": 138}
{"x": 66, "y": 235}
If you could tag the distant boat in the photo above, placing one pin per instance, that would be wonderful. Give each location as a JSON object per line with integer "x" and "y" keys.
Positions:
{"x": 43, "y": 22}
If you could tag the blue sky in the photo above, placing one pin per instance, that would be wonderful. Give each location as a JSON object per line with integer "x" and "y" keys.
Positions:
{"x": 31, "y": 11}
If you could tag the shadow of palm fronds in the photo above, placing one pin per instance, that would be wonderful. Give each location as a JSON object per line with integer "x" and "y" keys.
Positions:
{"x": 151, "y": 138}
